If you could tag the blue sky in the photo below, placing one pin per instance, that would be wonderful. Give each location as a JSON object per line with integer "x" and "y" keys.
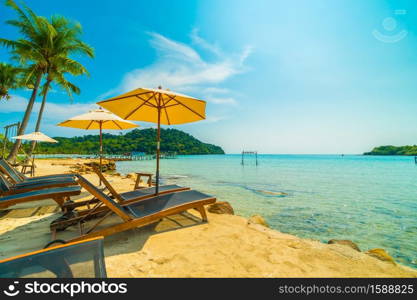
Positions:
{"x": 279, "y": 76}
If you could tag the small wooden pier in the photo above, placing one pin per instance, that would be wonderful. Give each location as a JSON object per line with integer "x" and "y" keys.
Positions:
{"x": 249, "y": 153}
{"x": 131, "y": 156}
{"x": 128, "y": 157}
{"x": 139, "y": 156}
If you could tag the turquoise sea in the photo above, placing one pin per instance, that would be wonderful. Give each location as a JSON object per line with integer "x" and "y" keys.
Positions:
{"x": 371, "y": 200}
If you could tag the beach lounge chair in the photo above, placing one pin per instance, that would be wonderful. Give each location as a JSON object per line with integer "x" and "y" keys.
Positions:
{"x": 17, "y": 177}
{"x": 6, "y": 188}
{"x": 74, "y": 260}
{"x": 131, "y": 196}
{"x": 139, "y": 194}
{"x": 59, "y": 195}
{"x": 137, "y": 214}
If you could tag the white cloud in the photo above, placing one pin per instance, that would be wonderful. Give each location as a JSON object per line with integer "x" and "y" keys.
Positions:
{"x": 213, "y": 119}
{"x": 220, "y": 100}
{"x": 14, "y": 104}
{"x": 182, "y": 68}
{"x": 53, "y": 112}
{"x": 173, "y": 49}
{"x": 197, "y": 40}
{"x": 215, "y": 90}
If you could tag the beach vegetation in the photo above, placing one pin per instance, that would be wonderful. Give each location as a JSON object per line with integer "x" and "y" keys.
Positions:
{"x": 393, "y": 150}
{"x": 172, "y": 140}
{"x": 9, "y": 79}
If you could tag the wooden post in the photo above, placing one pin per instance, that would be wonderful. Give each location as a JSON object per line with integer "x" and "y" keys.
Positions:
{"x": 5, "y": 140}
{"x": 32, "y": 171}
{"x": 158, "y": 145}
{"x": 249, "y": 152}
{"x": 101, "y": 147}
{"x": 9, "y": 131}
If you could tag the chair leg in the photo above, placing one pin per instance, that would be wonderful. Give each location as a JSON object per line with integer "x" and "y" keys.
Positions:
{"x": 53, "y": 233}
{"x": 202, "y": 212}
{"x": 60, "y": 202}
{"x": 137, "y": 182}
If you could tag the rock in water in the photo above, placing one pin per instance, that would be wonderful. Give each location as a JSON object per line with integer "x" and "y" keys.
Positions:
{"x": 107, "y": 165}
{"x": 257, "y": 219}
{"x": 380, "y": 254}
{"x": 345, "y": 243}
{"x": 221, "y": 207}
{"x": 271, "y": 193}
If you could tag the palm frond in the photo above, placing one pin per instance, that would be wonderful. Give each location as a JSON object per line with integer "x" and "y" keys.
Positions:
{"x": 47, "y": 46}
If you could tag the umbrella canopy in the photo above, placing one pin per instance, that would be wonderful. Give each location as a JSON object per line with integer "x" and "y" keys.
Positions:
{"x": 35, "y": 136}
{"x": 156, "y": 106}
{"x": 98, "y": 119}
{"x": 94, "y": 118}
{"x": 150, "y": 104}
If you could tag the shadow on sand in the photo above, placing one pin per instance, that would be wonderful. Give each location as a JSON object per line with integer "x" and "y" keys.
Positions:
{"x": 32, "y": 232}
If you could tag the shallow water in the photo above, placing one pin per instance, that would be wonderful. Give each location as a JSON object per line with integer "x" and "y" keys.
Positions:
{"x": 370, "y": 200}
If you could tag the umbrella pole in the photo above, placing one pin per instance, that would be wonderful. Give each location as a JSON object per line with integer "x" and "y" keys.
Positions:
{"x": 33, "y": 160}
{"x": 101, "y": 147}
{"x": 158, "y": 142}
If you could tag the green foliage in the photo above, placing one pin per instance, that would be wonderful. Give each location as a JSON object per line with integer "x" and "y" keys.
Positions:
{"x": 46, "y": 47}
{"x": 45, "y": 42}
{"x": 393, "y": 150}
{"x": 172, "y": 140}
{"x": 9, "y": 79}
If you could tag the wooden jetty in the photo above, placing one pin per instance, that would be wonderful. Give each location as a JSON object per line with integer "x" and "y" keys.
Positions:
{"x": 139, "y": 156}
{"x": 133, "y": 156}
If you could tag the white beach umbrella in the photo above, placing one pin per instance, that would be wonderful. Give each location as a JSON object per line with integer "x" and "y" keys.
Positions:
{"x": 36, "y": 136}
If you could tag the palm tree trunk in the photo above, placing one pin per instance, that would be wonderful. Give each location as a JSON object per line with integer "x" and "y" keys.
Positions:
{"x": 38, "y": 122}
{"x": 16, "y": 146}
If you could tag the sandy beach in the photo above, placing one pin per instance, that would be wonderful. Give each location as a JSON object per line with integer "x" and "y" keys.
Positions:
{"x": 181, "y": 246}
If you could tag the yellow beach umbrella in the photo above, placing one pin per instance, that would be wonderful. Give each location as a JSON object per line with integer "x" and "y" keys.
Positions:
{"x": 98, "y": 119}
{"x": 157, "y": 106}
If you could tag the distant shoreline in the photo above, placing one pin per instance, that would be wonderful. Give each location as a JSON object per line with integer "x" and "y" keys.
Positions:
{"x": 390, "y": 150}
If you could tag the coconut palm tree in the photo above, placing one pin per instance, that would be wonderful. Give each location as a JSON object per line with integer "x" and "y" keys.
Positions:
{"x": 43, "y": 42}
{"x": 28, "y": 50}
{"x": 9, "y": 79}
{"x": 59, "y": 66}
{"x": 56, "y": 72}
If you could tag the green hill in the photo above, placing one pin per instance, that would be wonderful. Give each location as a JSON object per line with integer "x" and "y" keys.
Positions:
{"x": 172, "y": 140}
{"x": 393, "y": 150}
